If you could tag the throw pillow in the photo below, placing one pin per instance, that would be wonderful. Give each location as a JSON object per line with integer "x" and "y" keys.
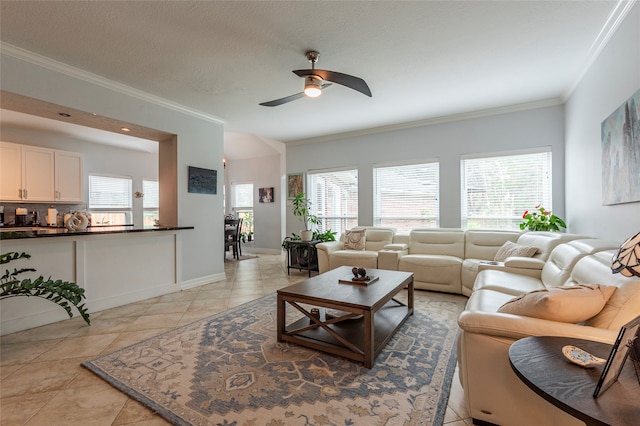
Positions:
{"x": 355, "y": 239}
{"x": 509, "y": 249}
{"x": 572, "y": 304}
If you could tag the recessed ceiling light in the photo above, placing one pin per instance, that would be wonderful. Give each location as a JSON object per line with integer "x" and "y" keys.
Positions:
{"x": 125, "y": 129}
{"x": 64, "y": 114}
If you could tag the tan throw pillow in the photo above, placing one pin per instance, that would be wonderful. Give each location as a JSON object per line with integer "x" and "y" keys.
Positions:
{"x": 509, "y": 249}
{"x": 572, "y": 304}
{"x": 355, "y": 239}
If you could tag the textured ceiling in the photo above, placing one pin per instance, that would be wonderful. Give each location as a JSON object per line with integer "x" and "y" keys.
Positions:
{"x": 421, "y": 59}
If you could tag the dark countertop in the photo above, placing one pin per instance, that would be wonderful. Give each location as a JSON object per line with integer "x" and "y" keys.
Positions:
{"x": 43, "y": 231}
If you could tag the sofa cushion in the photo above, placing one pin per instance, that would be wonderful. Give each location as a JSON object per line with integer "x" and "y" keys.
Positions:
{"x": 355, "y": 239}
{"x": 361, "y": 258}
{"x": 510, "y": 248}
{"x": 572, "y": 304}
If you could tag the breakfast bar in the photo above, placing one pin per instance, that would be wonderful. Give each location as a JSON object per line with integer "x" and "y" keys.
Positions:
{"x": 115, "y": 265}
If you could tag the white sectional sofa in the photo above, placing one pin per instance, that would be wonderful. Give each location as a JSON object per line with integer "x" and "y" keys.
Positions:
{"x": 441, "y": 259}
{"x": 493, "y": 392}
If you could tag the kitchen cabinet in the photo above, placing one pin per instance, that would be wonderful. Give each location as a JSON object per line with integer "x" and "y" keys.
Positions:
{"x": 68, "y": 177}
{"x": 33, "y": 174}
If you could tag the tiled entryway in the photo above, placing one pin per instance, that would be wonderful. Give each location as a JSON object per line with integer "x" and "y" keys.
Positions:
{"x": 42, "y": 382}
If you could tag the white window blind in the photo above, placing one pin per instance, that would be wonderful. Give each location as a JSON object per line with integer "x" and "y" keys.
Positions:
{"x": 151, "y": 191}
{"x": 109, "y": 192}
{"x": 334, "y": 199}
{"x": 497, "y": 190}
{"x": 407, "y": 196}
{"x": 242, "y": 195}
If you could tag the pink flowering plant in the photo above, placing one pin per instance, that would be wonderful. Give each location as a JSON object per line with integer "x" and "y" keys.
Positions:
{"x": 540, "y": 219}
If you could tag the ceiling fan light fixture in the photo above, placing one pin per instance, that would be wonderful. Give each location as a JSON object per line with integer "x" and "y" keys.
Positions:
{"x": 312, "y": 87}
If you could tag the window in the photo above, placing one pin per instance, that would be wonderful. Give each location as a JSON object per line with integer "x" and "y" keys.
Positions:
{"x": 497, "y": 190}
{"x": 110, "y": 200}
{"x": 242, "y": 206}
{"x": 334, "y": 199}
{"x": 407, "y": 196}
{"x": 150, "y": 202}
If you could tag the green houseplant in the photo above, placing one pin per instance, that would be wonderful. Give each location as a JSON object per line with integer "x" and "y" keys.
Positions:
{"x": 302, "y": 209}
{"x": 541, "y": 219}
{"x": 63, "y": 293}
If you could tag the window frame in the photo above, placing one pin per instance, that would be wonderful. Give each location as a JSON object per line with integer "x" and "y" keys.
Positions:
{"x": 112, "y": 211}
{"x": 335, "y": 223}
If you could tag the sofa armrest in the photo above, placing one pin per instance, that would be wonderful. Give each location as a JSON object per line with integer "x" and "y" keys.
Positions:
{"x": 324, "y": 251}
{"x": 517, "y": 327}
{"x": 524, "y": 262}
{"x": 388, "y": 258}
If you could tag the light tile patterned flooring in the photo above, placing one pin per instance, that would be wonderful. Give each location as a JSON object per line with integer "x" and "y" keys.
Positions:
{"x": 42, "y": 382}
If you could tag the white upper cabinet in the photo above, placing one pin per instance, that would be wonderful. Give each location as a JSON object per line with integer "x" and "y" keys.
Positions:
{"x": 33, "y": 174}
{"x": 69, "y": 177}
{"x": 10, "y": 172}
{"x": 38, "y": 174}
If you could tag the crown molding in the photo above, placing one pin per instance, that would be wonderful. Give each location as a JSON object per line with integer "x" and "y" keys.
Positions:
{"x": 431, "y": 121}
{"x": 70, "y": 71}
{"x": 611, "y": 25}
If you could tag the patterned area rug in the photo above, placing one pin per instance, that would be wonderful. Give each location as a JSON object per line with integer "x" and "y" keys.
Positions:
{"x": 229, "y": 369}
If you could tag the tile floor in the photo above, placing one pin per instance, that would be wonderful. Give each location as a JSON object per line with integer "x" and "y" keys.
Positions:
{"x": 42, "y": 382}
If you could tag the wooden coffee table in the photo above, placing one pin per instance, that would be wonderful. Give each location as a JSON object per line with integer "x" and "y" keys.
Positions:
{"x": 371, "y": 313}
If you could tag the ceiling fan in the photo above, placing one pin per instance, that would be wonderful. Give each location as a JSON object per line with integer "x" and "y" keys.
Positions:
{"x": 314, "y": 82}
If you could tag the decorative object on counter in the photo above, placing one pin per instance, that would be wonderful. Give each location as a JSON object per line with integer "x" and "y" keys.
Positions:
{"x": 541, "y": 219}
{"x": 580, "y": 357}
{"x": 52, "y": 216}
{"x": 203, "y": 181}
{"x": 77, "y": 221}
{"x": 59, "y": 292}
{"x": 359, "y": 277}
{"x": 625, "y": 343}
{"x": 21, "y": 216}
{"x": 627, "y": 260}
{"x": 138, "y": 194}
{"x": 302, "y": 209}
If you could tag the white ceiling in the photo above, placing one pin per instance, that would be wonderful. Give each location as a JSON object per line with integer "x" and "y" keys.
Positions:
{"x": 421, "y": 59}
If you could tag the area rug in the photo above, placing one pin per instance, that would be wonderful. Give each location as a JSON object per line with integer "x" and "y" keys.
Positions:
{"x": 229, "y": 369}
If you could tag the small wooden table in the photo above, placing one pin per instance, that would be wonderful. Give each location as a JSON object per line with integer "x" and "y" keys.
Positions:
{"x": 539, "y": 363}
{"x": 371, "y": 314}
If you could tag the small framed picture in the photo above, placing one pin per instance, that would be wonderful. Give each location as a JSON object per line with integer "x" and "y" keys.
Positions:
{"x": 625, "y": 343}
{"x": 265, "y": 195}
{"x": 202, "y": 181}
{"x": 295, "y": 184}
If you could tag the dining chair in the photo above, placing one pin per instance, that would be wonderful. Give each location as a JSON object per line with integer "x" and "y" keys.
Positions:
{"x": 232, "y": 237}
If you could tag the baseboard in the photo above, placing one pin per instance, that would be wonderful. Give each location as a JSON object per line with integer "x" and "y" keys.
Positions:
{"x": 200, "y": 281}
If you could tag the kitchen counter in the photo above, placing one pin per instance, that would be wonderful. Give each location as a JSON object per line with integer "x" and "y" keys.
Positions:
{"x": 14, "y": 233}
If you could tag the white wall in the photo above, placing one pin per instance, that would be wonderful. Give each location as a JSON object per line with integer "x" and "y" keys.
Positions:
{"x": 200, "y": 143}
{"x": 609, "y": 82}
{"x": 262, "y": 172}
{"x": 446, "y": 142}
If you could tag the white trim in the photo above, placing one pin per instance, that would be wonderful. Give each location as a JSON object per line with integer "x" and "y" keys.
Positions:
{"x": 200, "y": 281}
{"x": 410, "y": 162}
{"x": 615, "y": 18}
{"x": 53, "y": 65}
{"x": 536, "y": 150}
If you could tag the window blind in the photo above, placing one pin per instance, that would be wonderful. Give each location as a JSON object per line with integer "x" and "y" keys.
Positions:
{"x": 334, "y": 199}
{"x": 497, "y": 190}
{"x": 109, "y": 192}
{"x": 407, "y": 196}
{"x": 151, "y": 191}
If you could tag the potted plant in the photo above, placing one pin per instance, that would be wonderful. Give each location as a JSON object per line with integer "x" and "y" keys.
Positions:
{"x": 302, "y": 209}
{"x": 541, "y": 219}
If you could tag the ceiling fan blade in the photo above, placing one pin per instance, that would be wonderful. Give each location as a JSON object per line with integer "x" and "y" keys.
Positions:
{"x": 350, "y": 81}
{"x": 283, "y": 100}
{"x": 289, "y": 98}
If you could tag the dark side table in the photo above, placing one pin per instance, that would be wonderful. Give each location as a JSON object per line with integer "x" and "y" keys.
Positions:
{"x": 302, "y": 255}
{"x": 539, "y": 363}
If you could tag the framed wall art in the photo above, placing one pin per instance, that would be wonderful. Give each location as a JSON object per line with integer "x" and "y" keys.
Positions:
{"x": 621, "y": 153}
{"x": 295, "y": 184}
{"x": 203, "y": 181}
{"x": 265, "y": 195}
